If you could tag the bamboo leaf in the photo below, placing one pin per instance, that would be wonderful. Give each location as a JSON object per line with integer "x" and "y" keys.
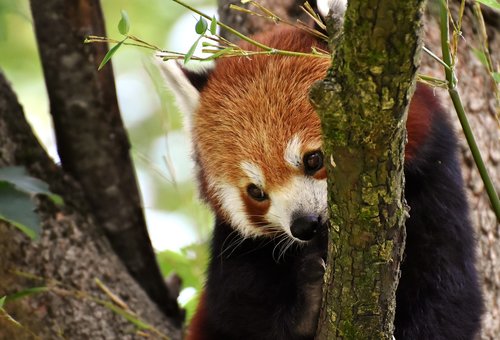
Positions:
{"x": 26, "y": 292}
{"x": 110, "y": 53}
{"x": 127, "y": 315}
{"x": 124, "y": 24}
{"x": 219, "y": 53}
{"x": 2, "y": 301}
{"x": 481, "y": 56}
{"x": 188, "y": 55}
{"x": 490, "y": 3}
{"x": 201, "y": 26}
{"x": 496, "y": 76}
{"x": 213, "y": 26}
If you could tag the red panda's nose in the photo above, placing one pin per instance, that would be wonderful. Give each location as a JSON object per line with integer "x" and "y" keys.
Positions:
{"x": 305, "y": 227}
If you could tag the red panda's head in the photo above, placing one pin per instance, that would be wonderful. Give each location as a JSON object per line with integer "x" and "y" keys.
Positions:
{"x": 256, "y": 138}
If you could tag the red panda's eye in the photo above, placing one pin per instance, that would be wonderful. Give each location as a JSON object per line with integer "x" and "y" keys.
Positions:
{"x": 313, "y": 161}
{"x": 256, "y": 193}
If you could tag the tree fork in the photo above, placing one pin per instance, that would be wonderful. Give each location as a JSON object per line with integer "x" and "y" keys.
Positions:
{"x": 363, "y": 103}
{"x": 71, "y": 251}
{"x": 91, "y": 140}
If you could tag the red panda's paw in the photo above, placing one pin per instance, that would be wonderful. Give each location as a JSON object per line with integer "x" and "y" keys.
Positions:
{"x": 312, "y": 260}
{"x": 311, "y": 269}
{"x": 309, "y": 283}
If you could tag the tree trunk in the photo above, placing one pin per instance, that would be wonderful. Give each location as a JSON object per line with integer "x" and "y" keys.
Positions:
{"x": 100, "y": 231}
{"x": 363, "y": 104}
{"x": 478, "y": 95}
{"x": 70, "y": 255}
{"x": 92, "y": 143}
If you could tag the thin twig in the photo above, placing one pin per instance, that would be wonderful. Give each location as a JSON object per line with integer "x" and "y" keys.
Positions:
{"x": 435, "y": 57}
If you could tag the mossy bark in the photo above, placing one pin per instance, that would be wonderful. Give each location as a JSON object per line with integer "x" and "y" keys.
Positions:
{"x": 363, "y": 104}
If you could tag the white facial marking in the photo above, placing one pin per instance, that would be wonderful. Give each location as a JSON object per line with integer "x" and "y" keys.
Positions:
{"x": 333, "y": 7}
{"x": 254, "y": 173}
{"x": 230, "y": 198}
{"x": 303, "y": 194}
{"x": 293, "y": 154}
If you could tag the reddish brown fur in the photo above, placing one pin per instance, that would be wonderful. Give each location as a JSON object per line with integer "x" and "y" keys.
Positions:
{"x": 321, "y": 174}
{"x": 197, "y": 325}
{"x": 247, "y": 123}
{"x": 255, "y": 210}
{"x": 254, "y": 106}
{"x": 243, "y": 116}
{"x": 419, "y": 119}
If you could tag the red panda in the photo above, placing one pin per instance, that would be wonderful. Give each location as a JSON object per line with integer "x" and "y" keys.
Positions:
{"x": 257, "y": 148}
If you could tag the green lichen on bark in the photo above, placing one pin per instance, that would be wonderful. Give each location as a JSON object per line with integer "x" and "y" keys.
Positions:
{"x": 362, "y": 104}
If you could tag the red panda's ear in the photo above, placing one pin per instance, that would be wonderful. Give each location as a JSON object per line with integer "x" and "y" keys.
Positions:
{"x": 334, "y": 8}
{"x": 185, "y": 84}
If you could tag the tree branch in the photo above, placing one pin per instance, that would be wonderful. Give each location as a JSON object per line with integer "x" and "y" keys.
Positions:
{"x": 92, "y": 142}
{"x": 71, "y": 251}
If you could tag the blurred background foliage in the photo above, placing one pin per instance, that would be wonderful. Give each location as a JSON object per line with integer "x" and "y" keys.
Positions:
{"x": 179, "y": 225}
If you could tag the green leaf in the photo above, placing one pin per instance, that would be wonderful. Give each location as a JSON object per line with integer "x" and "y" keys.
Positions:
{"x": 2, "y": 301}
{"x": 110, "y": 53}
{"x": 17, "y": 208}
{"x": 22, "y": 181}
{"x": 26, "y": 292}
{"x": 188, "y": 55}
{"x": 189, "y": 264}
{"x": 17, "y": 189}
{"x": 124, "y": 24}
{"x": 481, "y": 56}
{"x": 201, "y": 26}
{"x": 496, "y": 76}
{"x": 484, "y": 60}
{"x": 213, "y": 26}
{"x": 219, "y": 53}
{"x": 127, "y": 315}
{"x": 17, "y": 176}
{"x": 490, "y": 3}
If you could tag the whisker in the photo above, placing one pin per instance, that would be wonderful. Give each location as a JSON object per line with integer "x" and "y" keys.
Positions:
{"x": 282, "y": 239}
{"x": 235, "y": 241}
{"x": 286, "y": 247}
{"x": 236, "y": 246}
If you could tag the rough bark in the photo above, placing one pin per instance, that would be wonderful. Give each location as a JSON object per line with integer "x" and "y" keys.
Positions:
{"x": 92, "y": 143}
{"x": 362, "y": 104}
{"x": 72, "y": 250}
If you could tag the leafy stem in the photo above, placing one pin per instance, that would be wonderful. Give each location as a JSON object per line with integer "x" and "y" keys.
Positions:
{"x": 267, "y": 50}
{"x": 457, "y": 103}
